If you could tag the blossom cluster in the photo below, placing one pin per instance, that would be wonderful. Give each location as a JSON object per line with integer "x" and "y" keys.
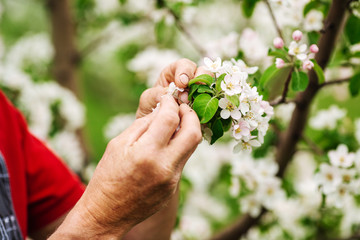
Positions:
{"x": 339, "y": 180}
{"x": 297, "y": 51}
{"x": 240, "y": 102}
{"x": 258, "y": 178}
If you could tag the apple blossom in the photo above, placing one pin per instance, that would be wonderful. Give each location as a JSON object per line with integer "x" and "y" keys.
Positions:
{"x": 278, "y": 42}
{"x": 297, "y": 35}
{"x": 314, "y": 48}
{"x": 329, "y": 178}
{"x": 298, "y": 50}
{"x": 229, "y": 109}
{"x": 308, "y": 65}
{"x": 242, "y": 128}
{"x": 341, "y": 157}
{"x": 212, "y": 66}
{"x": 313, "y": 21}
{"x": 279, "y": 63}
{"x": 231, "y": 84}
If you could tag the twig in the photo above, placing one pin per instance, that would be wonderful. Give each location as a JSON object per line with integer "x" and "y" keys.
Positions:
{"x": 285, "y": 91}
{"x": 186, "y": 32}
{"x": 278, "y": 29}
{"x": 312, "y": 145}
{"x": 289, "y": 140}
{"x": 339, "y": 81}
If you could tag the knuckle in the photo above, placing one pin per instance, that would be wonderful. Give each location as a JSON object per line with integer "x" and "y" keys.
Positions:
{"x": 171, "y": 118}
{"x": 195, "y": 135}
{"x": 187, "y": 62}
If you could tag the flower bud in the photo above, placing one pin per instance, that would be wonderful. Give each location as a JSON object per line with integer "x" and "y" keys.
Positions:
{"x": 278, "y": 43}
{"x": 308, "y": 65}
{"x": 279, "y": 63}
{"x": 297, "y": 35}
{"x": 314, "y": 48}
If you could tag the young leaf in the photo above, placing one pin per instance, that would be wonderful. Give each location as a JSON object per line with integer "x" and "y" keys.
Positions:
{"x": 248, "y": 7}
{"x": 226, "y": 124}
{"x": 193, "y": 89}
{"x": 204, "y": 78}
{"x": 234, "y": 100}
{"x": 205, "y": 89}
{"x": 205, "y": 106}
{"x": 218, "y": 131}
{"x": 354, "y": 85}
{"x": 273, "y": 72}
{"x": 319, "y": 72}
{"x": 218, "y": 82}
{"x": 299, "y": 81}
{"x": 279, "y": 53}
{"x": 352, "y": 29}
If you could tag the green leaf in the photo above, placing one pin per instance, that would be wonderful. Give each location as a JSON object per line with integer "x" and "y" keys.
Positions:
{"x": 205, "y": 89}
{"x": 319, "y": 71}
{"x": 204, "y": 78}
{"x": 352, "y": 29}
{"x": 299, "y": 81}
{"x": 313, "y": 37}
{"x": 248, "y": 7}
{"x": 218, "y": 82}
{"x": 218, "y": 131}
{"x": 273, "y": 72}
{"x": 354, "y": 85}
{"x": 226, "y": 124}
{"x": 278, "y": 53}
{"x": 193, "y": 89}
{"x": 234, "y": 100}
{"x": 205, "y": 106}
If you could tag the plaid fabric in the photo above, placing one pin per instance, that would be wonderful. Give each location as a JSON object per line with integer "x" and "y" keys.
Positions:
{"x": 9, "y": 227}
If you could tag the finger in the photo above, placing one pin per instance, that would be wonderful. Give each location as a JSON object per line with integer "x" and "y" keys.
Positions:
{"x": 148, "y": 100}
{"x": 189, "y": 135}
{"x": 164, "y": 124}
{"x": 130, "y": 135}
{"x": 201, "y": 71}
{"x": 179, "y": 72}
{"x": 184, "y": 97}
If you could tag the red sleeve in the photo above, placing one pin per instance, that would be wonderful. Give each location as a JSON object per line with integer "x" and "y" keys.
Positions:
{"x": 42, "y": 187}
{"x": 52, "y": 188}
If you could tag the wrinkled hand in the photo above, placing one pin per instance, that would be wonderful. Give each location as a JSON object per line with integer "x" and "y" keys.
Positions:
{"x": 139, "y": 171}
{"x": 179, "y": 72}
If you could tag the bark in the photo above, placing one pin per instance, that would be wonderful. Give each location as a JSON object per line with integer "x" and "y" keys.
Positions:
{"x": 63, "y": 37}
{"x": 289, "y": 139}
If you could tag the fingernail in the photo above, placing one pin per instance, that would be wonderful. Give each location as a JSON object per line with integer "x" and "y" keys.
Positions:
{"x": 184, "y": 79}
{"x": 184, "y": 97}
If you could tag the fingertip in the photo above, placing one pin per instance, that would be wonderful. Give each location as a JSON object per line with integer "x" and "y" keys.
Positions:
{"x": 183, "y": 80}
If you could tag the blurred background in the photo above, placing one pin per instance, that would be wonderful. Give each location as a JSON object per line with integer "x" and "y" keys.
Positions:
{"x": 76, "y": 69}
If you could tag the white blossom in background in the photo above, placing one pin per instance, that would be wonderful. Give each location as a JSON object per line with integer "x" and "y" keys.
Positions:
{"x": 67, "y": 146}
{"x": 104, "y": 7}
{"x": 283, "y": 112}
{"x": 140, "y": 6}
{"x": 313, "y": 21}
{"x": 327, "y": 119}
{"x": 39, "y": 51}
{"x": 151, "y": 62}
{"x": 118, "y": 124}
{"x": 254, "y": 49}
{"x": 289, "y": 13}
{"x": 225, "y": 47}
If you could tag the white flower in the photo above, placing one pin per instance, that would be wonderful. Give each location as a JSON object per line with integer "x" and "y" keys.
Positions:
{"x": 231, "y": 84}
{"x": 243, "y": 67}
{"x": 327, "y": 119}
{"x": 250, "y": 204}
{"x": 241, "y": 129}
{"x": 269, "y": 192}
{"x": 284, "y": 112}
{"x": 229, "y": 109}
{"x": 338, "y": 197}
{"x": 207, "y": 133}
{"x": 172, "y": 89}
{"x": 234, "y": 187}
{"x": 104, "y": 7}
{"x": 298, "y": 50}
{"x": 341, "y": 157}
{"x": 118, "y": 124}
{"x": 212, "y": 66}
{"x": 267, "y": 108}
{"x": 246, "y": 145}
{"x": 329, "y": 178}
{"x": 308, "y": 65}
{"x": 313, "y": 21}
{"x": 357, "y": 130}
{"x": 347, "y": 175}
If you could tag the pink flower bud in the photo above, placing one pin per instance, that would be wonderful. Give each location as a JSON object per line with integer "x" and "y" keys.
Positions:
{"x": 279, "y": 63}
{"x": 278, "y": 43}
{"x": 308, "y": 65}
{"x": 297, "y": 35}
{"x": 314, "y": 48}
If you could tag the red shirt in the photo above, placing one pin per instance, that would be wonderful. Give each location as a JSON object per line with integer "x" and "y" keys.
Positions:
{"x": 42, "y": 187}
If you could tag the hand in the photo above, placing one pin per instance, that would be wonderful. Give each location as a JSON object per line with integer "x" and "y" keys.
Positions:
{"x": 180, "y": 72}
{"x": 138, "y": 173}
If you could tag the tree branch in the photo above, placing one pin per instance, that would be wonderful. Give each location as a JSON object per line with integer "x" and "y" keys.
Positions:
{"x": 339, "y": 81}
{"x": 285, "y": 91}
{"x": 278, "y": 29}
{"x": 289, "y": 140}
